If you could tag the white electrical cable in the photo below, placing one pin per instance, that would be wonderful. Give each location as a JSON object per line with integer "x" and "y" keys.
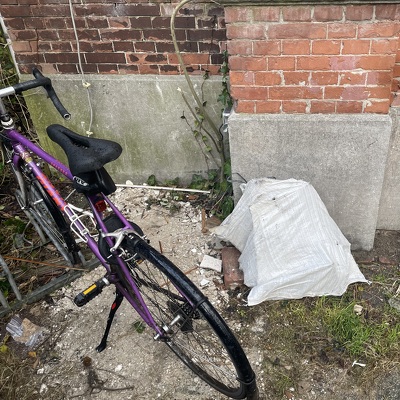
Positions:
{"x": 85, "y": 84}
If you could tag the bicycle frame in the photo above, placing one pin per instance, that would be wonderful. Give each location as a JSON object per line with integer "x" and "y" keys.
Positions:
{"x": 21, "y": 145}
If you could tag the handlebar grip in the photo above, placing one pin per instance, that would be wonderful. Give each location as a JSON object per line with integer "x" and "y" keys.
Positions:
{"x": 41, "y": 80}
{"x": 51, "y": 93}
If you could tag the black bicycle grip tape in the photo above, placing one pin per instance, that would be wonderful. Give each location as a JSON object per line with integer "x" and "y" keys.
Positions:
{"x": 52, "y": 94}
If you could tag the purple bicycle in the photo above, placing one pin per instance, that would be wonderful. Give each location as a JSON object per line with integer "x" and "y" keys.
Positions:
{"x": 177, "y": 312}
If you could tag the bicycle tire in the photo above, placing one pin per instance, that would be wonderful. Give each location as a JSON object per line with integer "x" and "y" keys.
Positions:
{"x": 201, "y": 338}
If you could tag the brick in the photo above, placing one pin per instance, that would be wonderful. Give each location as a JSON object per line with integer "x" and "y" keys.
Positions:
{"x": 300, "y": 47}
{"x": 61, "y": 58}
{"x": 356, "y": 46}
{"x": 151, "y": 10}
{"x": 242, "y": 78}
{"x": 79, "y": 23}
{"x": 26, "y": 34}
{"x": 347, "y": 92}
{"x": 163, "y": 47}
{"x": 267, "y": 47}
{"x": 50, "y": 10}
{"x": 245, "y": 106}
{"x": 128, "y": 69}
{"x": 342, "y": 31}
{"x": 270, "y": 107}
{"x": 294, "y": 107}
{"x": 161, "y": 34}
{"x": 120, "y": 34}
{"x": 283, "y": 63}
{"x": 253, "y": 31}
{"x": 203, "y": 34}
{"x": 30, "y": 59}
{"x": 149, "y": 69}
{"x": 296, "y": 78}
{"x": 237, "y": 14}
{"x": 295, "y": 93}
{"x": 15, "y": 23}
{"x": 216, "y": 11}
{"x": 328, "y": 13}
{"x": 297, "y": 31}
{"x": 266, "y": 14}
{"x": 47, "y": 35}
{"x": 346, "y": 62}
{"x": 67, "y": 68}
{"x": 349, "y": 107}
{"x": 90, "y": 68}
{"x": 155, "y": 58}
{"x": 97, "y": 22}
{"x": 61, "y": 47}
{"x": 242, "y": 47}
{"x": 111, "y": 58}
{"x": 16, "y": 11}
{"x": 35, "y": 23}
{"x": 169, "y": 69}
{"x": 313, "y": 63}
{"x": 249, "y": 93}
{"x": 118, "y": 22}
{"x": 296, "y": 13}
{"x": 104, "y": 68}
{"x": 324, "y": 78}
{"x": 124, "y": 46}
{"x": 379, "y": 92}
{"x": 44, "y": 46}
{"x": 267, "y": 78}
{"x": 384, "y": 46}
{"x": 378, "y": 30}
{"x": 141, "y": 23}
{"x": 237, "y": 63}
{"x": 195, "y": 58}
{"x": 322, "y": 107}
{"x": 387, "y": 12}
{"x": 233, "y": 276}
{"x": 378, "y": 107}
{"x": 375, "y": 62}
{"x": 22, "y": 47}
{"x": 352, "y": 78}
{"x": 326, "y": 47}
{"x": 147, "y": 47}
{"x": 55, "y": 23}
{"x": 48, "y": 69}
{"x": 83, "y": 10}
{"x": 379, "y": 77}
{"x": 359, "y": 12}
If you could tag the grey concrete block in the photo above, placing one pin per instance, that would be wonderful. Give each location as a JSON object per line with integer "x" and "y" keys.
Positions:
{"x": 142, "y": 113}
{"x": 389, "y": 207}
{"x": 342, "y": 156}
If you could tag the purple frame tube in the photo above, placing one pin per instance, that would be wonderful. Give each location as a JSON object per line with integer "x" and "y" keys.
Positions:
{"x": 20, "y": 144}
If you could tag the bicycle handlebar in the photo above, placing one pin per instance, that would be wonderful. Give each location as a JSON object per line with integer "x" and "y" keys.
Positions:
{"x": 39, "y": 80}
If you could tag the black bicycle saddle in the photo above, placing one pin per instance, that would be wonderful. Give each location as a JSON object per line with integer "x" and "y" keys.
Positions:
{"x": 85, "y": 154}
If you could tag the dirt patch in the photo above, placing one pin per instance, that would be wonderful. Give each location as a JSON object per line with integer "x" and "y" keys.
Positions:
{"x": 291, "y": 359}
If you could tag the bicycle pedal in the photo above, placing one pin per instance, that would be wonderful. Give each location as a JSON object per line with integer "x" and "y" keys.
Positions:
{"x": 91, "y": 292}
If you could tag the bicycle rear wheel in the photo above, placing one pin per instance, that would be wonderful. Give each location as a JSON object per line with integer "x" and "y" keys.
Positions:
{"x": 191, "y": 327}
{"x": 46, "y": 216}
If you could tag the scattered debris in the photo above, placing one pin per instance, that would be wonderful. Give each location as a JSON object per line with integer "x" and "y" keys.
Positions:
{"x": 24, "y": 331}
{"x": 213, "y": 263}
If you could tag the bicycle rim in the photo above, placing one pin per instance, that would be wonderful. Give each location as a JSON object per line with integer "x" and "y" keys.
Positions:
{"x": 193, "y": 329}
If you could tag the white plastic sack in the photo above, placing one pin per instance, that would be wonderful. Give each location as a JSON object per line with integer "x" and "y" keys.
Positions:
{"x": 291, "y": 248}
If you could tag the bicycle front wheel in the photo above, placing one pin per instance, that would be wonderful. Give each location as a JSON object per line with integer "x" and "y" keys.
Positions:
{"x": 190, "y": 325}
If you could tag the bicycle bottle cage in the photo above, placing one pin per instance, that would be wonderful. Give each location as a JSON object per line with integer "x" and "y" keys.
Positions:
{"x": 86, "y": 159}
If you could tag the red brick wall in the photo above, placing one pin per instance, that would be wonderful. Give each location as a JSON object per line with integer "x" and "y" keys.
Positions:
{"x": 314, "y": 59}
{"x": 116, "y": 36}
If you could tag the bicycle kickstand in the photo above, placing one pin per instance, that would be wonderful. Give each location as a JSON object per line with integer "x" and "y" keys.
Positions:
{"x": 114, "y": 307}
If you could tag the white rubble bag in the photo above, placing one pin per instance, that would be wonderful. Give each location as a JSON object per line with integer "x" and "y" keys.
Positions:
{"x": 291, "y": 248}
